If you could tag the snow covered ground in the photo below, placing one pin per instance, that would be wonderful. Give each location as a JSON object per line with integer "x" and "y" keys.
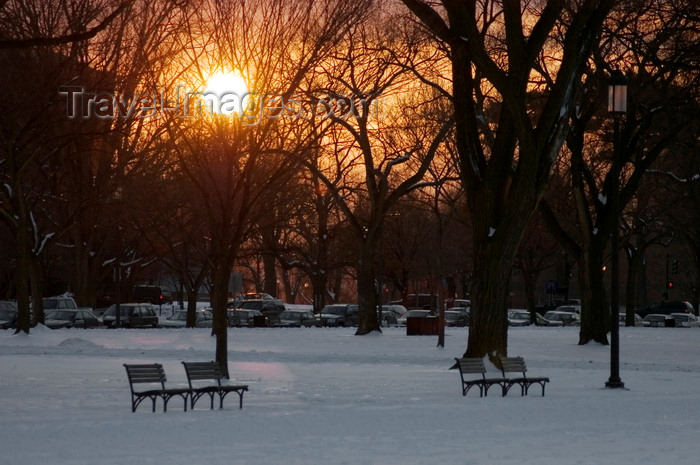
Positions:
{"x": 324, "y": 396}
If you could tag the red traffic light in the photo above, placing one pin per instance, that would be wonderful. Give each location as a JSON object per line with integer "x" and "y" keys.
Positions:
{"x": 669, "y": 285}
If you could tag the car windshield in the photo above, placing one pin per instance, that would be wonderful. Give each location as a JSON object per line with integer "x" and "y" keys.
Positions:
{"x": 519, "y": 315}
{"x": 252, "y": 304}
{"x": 60, "y": 315}
{"x": 451, "y": 316}
{"x": 112, "y": 311}
{"x": 8, "y": 314}
{"x": 179, "y": 316}
{"x": 50, "y": 304}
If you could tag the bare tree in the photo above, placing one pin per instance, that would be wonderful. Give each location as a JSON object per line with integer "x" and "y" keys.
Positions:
{"x": 73, "y": 30}
{"x": 387, "y": 155}
{"x": 660, "y": 109}
{"x": 499, "y": 52}
{"x": 35, "y": 131}
{"x": 239, "y": 164}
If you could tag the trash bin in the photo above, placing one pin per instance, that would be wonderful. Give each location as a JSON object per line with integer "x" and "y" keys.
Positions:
{"x": 260, "y": 321}
{"x": 422, "y": 326}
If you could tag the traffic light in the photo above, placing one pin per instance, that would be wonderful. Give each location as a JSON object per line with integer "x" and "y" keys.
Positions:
{"x": 669, "y": 285}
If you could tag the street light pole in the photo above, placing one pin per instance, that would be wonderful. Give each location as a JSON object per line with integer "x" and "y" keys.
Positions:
{"x": 617, "y": 105}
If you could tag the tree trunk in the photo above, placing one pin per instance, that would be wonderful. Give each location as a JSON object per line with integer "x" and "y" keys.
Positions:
{"x": 219, "y": 298}
{"x": 24, "y": 322}
{"x": 36, "y": 286}
{"x": 595, "y": 306}
{"x": 270, "y": 273}
{"x": 318, "y": 287}
{"x": 366, "y": 291}
{"x": 634, "y": 264}
{"x": 192, "y": 295}
{"x": 529, "y": 286}
{"x": 84, "y": 290}
{"x": 488, "y": 323}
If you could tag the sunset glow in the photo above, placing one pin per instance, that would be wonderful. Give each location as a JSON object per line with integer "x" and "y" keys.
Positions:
{"x": 226, "y": 92}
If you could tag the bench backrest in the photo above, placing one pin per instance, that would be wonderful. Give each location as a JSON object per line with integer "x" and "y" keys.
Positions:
{"x": 146, "y": 373}
{"x": 198, "y": 371}
{"x": 512, "y": 365}
{"x": 471, "y": 365}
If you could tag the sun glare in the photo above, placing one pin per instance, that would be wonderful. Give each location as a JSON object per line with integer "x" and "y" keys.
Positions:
{"x": 226, "y": 93}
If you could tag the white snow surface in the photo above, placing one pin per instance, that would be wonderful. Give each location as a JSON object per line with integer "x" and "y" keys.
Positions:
{"x": 325, "y": 396}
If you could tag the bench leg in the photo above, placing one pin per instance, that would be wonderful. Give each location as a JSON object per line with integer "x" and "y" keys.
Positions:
{"x": 222, "y": 395}
{"x": 506, "y": 388}
{"x": 167, "y": 398}
{"x": 194, "y": 398}
{"x": 541, "y": 384}
{"x": 487, "y": 386}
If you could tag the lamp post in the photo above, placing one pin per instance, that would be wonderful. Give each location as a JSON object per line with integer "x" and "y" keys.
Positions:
{"x": 617, "y": 105}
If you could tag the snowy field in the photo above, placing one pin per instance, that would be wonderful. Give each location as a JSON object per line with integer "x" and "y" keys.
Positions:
{"x": 322, "y": 396}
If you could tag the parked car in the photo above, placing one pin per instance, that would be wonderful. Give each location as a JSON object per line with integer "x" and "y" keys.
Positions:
{"x": 637, "y": 320}
{"x": 340, "y": 315}
{"x": 59, "y": 303}
{"x": 298, "y": 318}
{"x": 179, "y": 319}
{"x": 655, "y": 320}
{"x": 555, "y": 318}
{"x": 56, "y": 319}
{"x": 271, "y": 308}
{"x": 391, "y": 313}
{"x": 131, "y": 315}
{"x": 569, "y": 308}
{"x": 685, "y": 320}
{"x": 239, "y": 299}
{"x": 98, "y": 312}
{"x": 8, "y": 314}
{"x": 241, "y": 317}
{"x": 412, "y": 314}
{"x": 665, "y": 308}
{"x": 419, "y": 301}
{"x": 462, "y": 303}
{"x": 518, "y": 317}
{"x": 457, "y": 316}
{"x": 150, "y": 294}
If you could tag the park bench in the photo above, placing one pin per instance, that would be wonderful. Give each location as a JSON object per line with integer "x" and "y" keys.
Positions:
{"x": 152, "y": 374}
{"x": 210, "y": 371}
{"x": 470, "y": 366}
{"x": 517, "y": 365}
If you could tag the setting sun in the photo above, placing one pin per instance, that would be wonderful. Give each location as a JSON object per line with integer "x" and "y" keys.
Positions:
{"x": 226, "y": 92}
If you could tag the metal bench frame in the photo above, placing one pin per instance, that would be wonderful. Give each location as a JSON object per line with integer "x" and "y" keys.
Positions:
{"x": 207, "y": 371}
{"x": 153, "y": 374}
{"x": 476, "y": 366}
{"x": 517, "y": 365}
